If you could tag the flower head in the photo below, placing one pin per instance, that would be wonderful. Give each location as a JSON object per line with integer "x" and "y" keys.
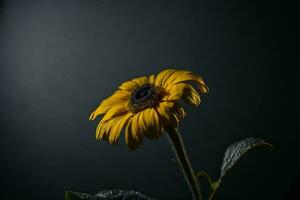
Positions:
{"x": 145, "y": 106}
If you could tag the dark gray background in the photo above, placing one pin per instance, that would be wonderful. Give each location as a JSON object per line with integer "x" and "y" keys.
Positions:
{"x": 59, "y": 59}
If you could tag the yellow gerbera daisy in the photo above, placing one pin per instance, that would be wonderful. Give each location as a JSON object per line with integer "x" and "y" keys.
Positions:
{"x": 147, "y": 105}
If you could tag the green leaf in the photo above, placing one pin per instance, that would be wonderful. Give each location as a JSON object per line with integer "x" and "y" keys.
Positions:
{"x": 69, "y": 195}
{"x": 232, "y": 154}
{"x": 235, "y": 151}
{"x": 107, "y": 195}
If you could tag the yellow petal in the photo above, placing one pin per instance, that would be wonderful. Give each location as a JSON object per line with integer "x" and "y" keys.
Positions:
{"x": 110, "y": 129}
{"x": 141, "y": 80}
{"x": 179, "y": 112}
{"x": 116, "y": 128}
{"x": 152, "y": 79}
{"x": 163, "y": 76}
{"x": 131, "y": 141}
{"x": 166, "y": 114}
{"x": 184, "y": 91}
{"x": 183, "y": 76}
{"x": 128, "y": 86}
{"x": 193, "y": 99}
{"x": 99, "y": 127}
{"x": 150, "y": 120}
{"x": 137, "y": 128}
{"x": 102, "y": 130}
{"x": 115, "y": 111}
{"x": 119, "y": 97}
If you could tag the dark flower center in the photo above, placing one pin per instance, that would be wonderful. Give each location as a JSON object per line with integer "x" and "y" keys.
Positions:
{"x": 142, "y": 93}
{"x": 143, "y": 97}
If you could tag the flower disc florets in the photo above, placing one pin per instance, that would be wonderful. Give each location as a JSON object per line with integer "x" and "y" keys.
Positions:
{"x": 143, "y": 97}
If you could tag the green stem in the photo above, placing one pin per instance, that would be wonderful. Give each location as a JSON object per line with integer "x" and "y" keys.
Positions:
{"x": 184, "y": 162}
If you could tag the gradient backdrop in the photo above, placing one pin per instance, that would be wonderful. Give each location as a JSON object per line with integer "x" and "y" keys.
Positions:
{"x": 59, "y": 59}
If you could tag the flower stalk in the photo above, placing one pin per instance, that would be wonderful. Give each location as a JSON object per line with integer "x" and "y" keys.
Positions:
{"x": 183, "y": 160}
